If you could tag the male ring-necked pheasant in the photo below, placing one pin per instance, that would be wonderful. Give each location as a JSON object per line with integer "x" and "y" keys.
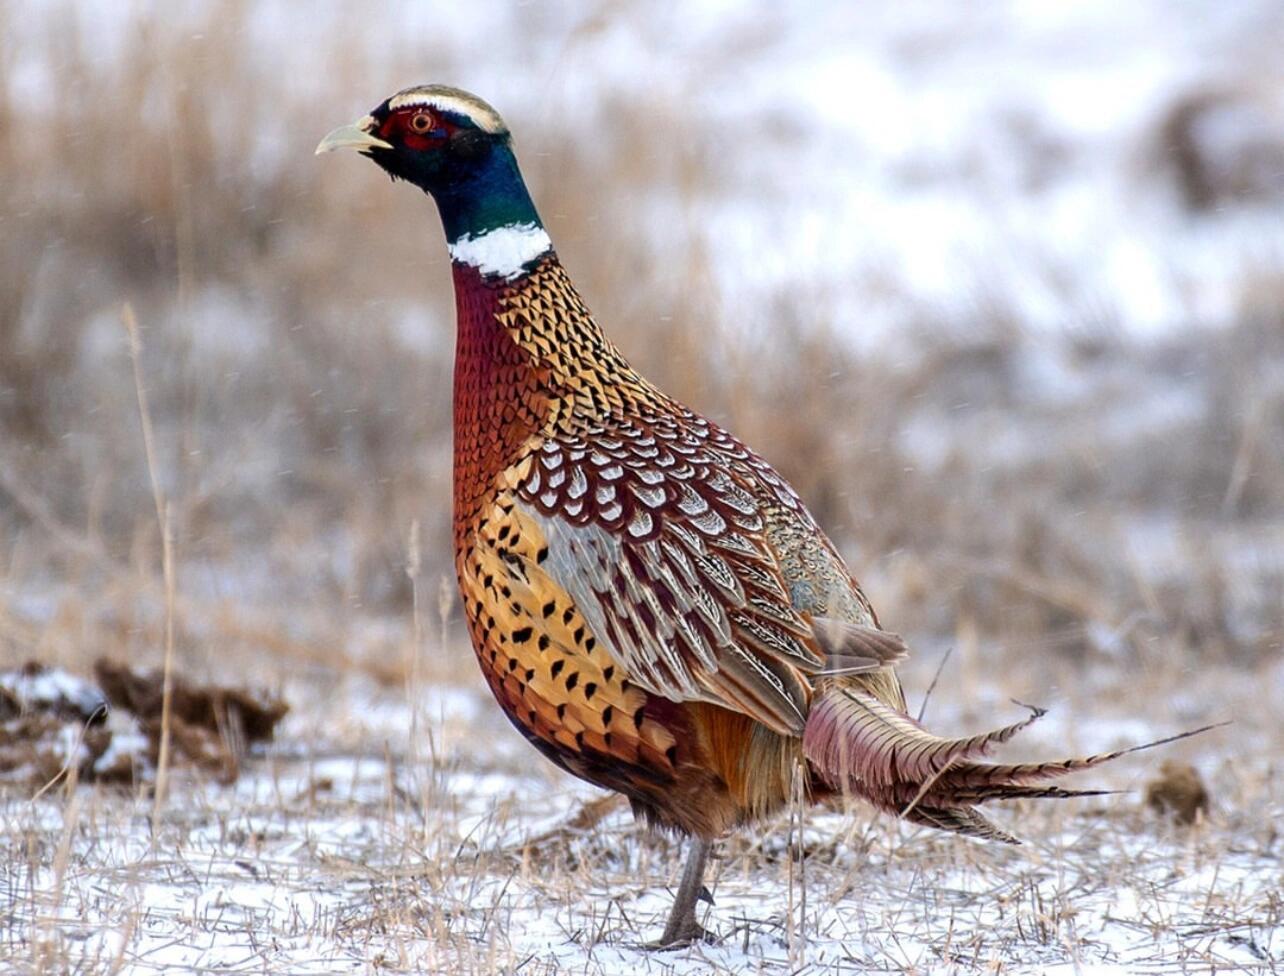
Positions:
{"x": 652, "y": 605}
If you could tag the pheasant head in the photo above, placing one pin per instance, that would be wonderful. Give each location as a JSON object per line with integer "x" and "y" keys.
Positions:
{"x": 457, "y": 149}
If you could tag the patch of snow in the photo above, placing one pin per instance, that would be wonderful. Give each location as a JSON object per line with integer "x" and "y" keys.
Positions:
{"x": 128, "y": 744}
{"x": 53, "y": 689}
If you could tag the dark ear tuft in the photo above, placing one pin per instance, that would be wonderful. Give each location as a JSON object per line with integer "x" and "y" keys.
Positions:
{"x": 469, "y": 144}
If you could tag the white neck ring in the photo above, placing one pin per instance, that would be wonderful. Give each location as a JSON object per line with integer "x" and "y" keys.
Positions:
{"x": 503, "y": 252}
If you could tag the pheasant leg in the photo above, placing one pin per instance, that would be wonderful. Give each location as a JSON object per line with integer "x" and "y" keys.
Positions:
{"x": 682, "y": 927}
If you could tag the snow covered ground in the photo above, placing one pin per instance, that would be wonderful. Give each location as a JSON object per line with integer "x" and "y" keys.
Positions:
{"x": 349, "y": 846}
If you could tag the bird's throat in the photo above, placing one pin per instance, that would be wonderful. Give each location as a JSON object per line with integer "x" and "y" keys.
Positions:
{"x": 499, "y": 399}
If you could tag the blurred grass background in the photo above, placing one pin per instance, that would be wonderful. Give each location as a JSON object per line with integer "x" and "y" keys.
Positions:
{"x": 298, "y": 330}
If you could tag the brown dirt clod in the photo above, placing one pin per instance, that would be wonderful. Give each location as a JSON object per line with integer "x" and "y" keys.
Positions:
{"x": 43, "y": 735}
{"x": 1178, "y": 791}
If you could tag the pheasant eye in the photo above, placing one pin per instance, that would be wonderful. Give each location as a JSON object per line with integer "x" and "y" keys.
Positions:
{"x": 420, "y": 122}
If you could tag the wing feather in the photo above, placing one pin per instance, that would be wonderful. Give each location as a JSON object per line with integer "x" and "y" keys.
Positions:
{"x": 665, "y": 554}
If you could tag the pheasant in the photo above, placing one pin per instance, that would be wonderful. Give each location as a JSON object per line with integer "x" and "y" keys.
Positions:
{"x": 651, "y": 604}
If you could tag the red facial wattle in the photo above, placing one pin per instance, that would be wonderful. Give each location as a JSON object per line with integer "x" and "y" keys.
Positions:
{"x": 417, "y": 128}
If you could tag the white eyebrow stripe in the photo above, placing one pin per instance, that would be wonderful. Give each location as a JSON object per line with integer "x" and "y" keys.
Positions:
{"x": 485, "y": 118}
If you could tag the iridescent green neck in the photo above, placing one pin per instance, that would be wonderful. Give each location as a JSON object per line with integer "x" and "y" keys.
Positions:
{"x": 490, "y": 196}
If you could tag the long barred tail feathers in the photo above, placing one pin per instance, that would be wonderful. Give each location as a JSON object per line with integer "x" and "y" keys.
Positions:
{"x": 861, "y": 745}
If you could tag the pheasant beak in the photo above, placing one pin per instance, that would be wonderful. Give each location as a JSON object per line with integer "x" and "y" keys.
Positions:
{"x": 357, "y": 136}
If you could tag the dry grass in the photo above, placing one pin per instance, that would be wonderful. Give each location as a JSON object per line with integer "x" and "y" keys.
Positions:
{"x": 1117, "y": 547}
